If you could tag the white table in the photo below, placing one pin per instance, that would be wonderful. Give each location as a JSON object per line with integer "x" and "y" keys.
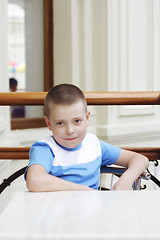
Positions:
{"x": 82, "y": 215}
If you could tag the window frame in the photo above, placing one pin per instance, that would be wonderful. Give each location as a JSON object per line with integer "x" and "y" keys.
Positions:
{"x": 24, "y": 123}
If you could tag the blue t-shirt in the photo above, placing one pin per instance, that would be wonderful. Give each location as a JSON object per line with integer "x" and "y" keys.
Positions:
{"x": 79, "y": 165}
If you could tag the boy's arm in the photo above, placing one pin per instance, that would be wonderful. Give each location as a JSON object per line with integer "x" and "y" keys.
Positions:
{"x": 135, "y": 163}
{"x": 38, "y": 180}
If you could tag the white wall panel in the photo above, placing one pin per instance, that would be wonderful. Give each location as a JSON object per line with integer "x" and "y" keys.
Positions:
{"x": 111, "y": 45}
{"x": 4, "y": 81}
{"x": 133, "y": 65}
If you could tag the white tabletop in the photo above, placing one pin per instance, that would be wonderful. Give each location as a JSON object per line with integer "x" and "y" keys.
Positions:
{"x": 82, "y": 215}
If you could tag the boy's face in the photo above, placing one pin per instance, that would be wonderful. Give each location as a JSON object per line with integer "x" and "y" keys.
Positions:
{"x": 68, "y": 123}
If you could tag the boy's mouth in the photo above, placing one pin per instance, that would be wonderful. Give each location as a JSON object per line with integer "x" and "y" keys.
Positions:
{"x": 70, "y": 139}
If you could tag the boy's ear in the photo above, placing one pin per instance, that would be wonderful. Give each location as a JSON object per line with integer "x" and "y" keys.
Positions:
{"x": 47, "y": 122}
{"x": 87, "y": 117}
{"x": 88, "y": 114}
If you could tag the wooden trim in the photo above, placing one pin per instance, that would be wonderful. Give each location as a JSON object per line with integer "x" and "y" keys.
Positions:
{"x": 25, "y": 123}
{"x": 22, "y": 98}
{"x": 93, "y": 98}
{"x": 153, "y": 153}
{"x": 48, "y": 45}
{"x": 14, "y": 153}
{"x": 123, "y": 98}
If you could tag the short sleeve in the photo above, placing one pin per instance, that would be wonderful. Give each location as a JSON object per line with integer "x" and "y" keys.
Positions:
{"x": 40, "y": 153}
{"x": 110, "y": 153}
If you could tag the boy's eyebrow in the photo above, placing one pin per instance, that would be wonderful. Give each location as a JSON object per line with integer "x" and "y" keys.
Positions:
{"x": 58, "y": 120}
{"x": 78, "y": 117}
{"x": 61, "y": 120}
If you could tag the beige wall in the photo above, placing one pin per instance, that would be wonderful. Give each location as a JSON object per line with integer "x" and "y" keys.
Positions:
{"x": 111, "y": 46}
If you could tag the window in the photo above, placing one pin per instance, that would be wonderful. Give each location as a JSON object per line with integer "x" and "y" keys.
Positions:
{"x": 18, "y": 55}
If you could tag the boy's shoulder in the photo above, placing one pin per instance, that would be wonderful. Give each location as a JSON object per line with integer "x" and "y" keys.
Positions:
{"x": 91, "y": 140}
{"x": 49, "y": 139}
{"x": 43, "y": 140}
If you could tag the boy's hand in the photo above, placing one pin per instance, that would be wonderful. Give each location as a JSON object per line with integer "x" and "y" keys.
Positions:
{"x": 121, "y": 186}
{"x": 135, "y": 163}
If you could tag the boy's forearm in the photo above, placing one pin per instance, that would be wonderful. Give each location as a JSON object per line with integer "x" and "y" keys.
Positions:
{"x": 136, "y": 167}
{"x": 126, "y": 181}
{"x": 48, "y": 183}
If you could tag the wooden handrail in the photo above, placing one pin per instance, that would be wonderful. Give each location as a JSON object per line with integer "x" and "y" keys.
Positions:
{"x": 22, "y": 98}
{"x": 153, "y": 153}
{"x": 14, "y": 152}
{"x": 123, "y": 98}
{"x": 93, "y": 98}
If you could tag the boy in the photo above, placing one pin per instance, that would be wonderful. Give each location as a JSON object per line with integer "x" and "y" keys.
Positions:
{"x": 71, "y": 158}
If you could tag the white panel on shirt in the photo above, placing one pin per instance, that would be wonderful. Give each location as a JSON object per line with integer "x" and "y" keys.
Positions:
{"x": 88, "y": 152}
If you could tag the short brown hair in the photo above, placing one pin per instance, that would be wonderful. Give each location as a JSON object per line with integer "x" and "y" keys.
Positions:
{"x": 63, "y": 94}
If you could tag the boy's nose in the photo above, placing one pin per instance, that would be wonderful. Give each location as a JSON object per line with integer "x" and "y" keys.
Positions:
{"x": 70, "y": 129}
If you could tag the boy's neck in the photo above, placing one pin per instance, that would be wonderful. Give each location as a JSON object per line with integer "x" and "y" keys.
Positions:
{"x": 68, "y": 149}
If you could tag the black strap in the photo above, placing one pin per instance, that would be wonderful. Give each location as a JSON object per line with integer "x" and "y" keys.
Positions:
{"x": 154, "y": 179}
{"x": 6, "y": 182}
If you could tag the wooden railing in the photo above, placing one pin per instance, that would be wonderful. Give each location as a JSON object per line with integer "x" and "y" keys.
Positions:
{"x": 93, "y": 98}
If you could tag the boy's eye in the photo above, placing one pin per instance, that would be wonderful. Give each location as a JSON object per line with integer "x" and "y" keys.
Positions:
{"x": 77, "y": 121}
{"x": 60, "y": 123}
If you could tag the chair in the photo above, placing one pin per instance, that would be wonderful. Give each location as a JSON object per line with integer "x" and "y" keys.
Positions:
{"x": 116, "y": 171}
